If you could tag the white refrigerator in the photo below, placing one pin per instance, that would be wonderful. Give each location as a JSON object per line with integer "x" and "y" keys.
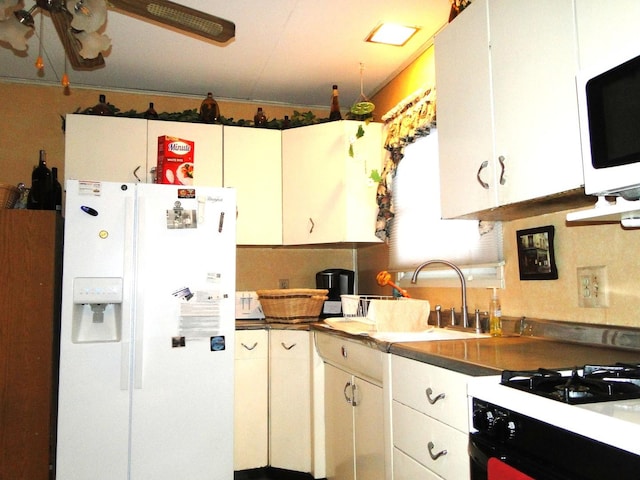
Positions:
{"x": 147, "y": 336}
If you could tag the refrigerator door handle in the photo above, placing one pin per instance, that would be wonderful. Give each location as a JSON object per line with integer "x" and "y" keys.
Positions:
{"x": 130, "y": 228}
{"x": 138, "y": 330}
{"x": 124, "y": 365}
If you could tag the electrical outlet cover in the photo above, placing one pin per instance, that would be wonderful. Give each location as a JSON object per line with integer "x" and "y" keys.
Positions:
{"x": 593, "y": 287}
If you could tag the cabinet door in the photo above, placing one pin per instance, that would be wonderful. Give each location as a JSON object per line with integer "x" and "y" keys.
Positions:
{"x": 253, "y": 166}
{"x": 505, "y": 75}
{"x": 534, "y": 62}
{"x": 290, "y": 400}
{"x": 339, "y": 424}
{"x": 465, "y": 111}
{"x": 368, "y": 412}
{"x": 327, "y": 194}
{"x": 251, "y": 415}
{"x": 207, "y": 159}
{"x": 105, "y": 148}
{"x": 606, "y": 31}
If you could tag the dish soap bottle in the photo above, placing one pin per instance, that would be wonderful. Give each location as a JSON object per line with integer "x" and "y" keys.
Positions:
{"x": 495, "y": 315}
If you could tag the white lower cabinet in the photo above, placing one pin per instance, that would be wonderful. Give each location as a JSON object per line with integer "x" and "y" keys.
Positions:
{"x": 430, "y": 421}
{"x": 355, "y": 422}
{"x": 290, "y": 400}
{"x": 251, "y": 414}
{"x": 275, "y": 421}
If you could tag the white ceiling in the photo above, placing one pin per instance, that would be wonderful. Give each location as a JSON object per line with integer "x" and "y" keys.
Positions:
{"x": 285, "y": 51}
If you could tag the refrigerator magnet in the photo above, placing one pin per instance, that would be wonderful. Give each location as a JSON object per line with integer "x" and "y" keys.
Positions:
{"x": 218, "y": 343}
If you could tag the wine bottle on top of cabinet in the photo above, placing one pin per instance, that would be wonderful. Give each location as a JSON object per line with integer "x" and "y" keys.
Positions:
{"x": 334, "y": 113}
{"x": 40, "y": 195}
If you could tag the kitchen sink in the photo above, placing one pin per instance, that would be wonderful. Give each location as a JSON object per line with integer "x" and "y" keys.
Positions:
{"x": 426, "y": 335}
{"x": 366, "y": 328}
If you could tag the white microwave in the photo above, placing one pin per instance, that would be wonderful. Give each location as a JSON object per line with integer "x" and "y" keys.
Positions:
{"x": 609, "y": 115}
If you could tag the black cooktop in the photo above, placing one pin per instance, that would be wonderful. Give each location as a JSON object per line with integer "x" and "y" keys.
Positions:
{"x": 592, "y": 383}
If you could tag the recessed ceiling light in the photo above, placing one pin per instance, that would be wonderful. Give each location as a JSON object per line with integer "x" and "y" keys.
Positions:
{"x": 391, "y": 34}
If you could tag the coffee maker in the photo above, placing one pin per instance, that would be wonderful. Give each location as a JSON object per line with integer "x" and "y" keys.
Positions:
{"x": 339, "y": 282}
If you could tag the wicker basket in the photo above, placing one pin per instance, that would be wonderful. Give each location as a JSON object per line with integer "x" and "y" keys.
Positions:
{"x": 292, "y": 305}
{"x": 8, "y": 195}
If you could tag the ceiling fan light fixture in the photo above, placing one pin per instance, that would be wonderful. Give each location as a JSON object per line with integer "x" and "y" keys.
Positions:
{"x": 392, "y": 34}
{"x": 5, "y": 6}
{"x": 15, "y": 33}
{"x": 88, "y": 15}
{"x": 93, "y": 44}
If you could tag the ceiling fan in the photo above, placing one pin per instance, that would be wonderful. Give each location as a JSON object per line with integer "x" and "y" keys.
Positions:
{"x": 64, "y": 12}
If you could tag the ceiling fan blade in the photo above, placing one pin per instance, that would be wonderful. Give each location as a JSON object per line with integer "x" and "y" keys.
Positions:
{"x": 180, "y": 17}
{"x": 62, "y": 21}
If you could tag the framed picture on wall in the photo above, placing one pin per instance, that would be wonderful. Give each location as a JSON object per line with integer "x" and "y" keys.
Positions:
{"x": 536, "y": 257}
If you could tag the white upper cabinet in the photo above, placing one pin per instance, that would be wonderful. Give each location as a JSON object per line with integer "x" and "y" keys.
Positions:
{"x": 253, "y": 166}
{"x": 328, "y": 196}
{"x": 294, "y": 187}
{"x": 105, "y": 148}
{"x": 607, "y": 31}
{"x": 507, "y": 113}
{"x": 207, "y": 151}
{"x": 121, "y": 149}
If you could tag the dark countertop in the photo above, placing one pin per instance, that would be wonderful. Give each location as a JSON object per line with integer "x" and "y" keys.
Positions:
{"x": 489, "y": 356}
{"x": 481, "y": 356}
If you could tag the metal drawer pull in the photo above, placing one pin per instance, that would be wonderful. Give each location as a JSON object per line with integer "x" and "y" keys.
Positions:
{"x": 348, "y": 398}
{"x": 432, "y": 400}
{"x": 250, "y": 347}
{"x": 289, "y": 347}
{"x": 343, "y": 351}
{"x": 503, "y": 180}
{"x": 436, "y": 456}
{"x": 484, "y": 184}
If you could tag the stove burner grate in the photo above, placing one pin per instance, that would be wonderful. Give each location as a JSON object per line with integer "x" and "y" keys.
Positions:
{"x": 596, "y": 383}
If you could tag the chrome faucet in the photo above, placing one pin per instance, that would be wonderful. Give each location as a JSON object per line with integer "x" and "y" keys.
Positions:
{"x": 463, "y": 285}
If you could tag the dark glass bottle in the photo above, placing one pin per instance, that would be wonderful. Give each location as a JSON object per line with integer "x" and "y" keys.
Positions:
{"x": 286, "y": 123}
{"x": 151, "y": 112}
{"x": 260, "y": 119}
{"x": 56, "y": 191}
{"x": 102, "y": 108}
{"x": 209, "y": 110}
{"x": 41, "y": 186}
{"x": 334, "y": 113}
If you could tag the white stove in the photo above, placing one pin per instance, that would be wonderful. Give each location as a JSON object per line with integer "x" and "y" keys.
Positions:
{"x": 616, "y": 423}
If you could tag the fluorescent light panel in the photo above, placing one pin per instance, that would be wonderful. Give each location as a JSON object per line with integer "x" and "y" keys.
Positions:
{"x": 391, "y": 34}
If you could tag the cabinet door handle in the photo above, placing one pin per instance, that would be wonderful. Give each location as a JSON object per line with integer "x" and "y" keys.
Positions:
{"x": 312, "y": 225}
{"x": 431, "y": 399}
{"x": 484, "y": 184}
{"x": 135, "y": 173}
{"x": 435, "y": 456}
{"x": 347, "y": 397}
{"x": 289, "y": 347}
{"x": 255, "y": 344}
{"x": 503, "y": 180}
{"x": 343, "y": 352}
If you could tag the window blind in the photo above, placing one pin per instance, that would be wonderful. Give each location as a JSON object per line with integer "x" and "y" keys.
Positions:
{"x": 418, "y": 233}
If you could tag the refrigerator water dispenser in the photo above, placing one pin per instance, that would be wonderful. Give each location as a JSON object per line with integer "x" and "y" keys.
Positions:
{"x": 97, "y": 309}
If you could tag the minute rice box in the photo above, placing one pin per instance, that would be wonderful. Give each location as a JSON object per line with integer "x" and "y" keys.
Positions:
{"x": 175, "y": 161}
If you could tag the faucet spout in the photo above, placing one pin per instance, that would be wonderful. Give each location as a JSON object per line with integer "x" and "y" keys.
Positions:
{"x": 463, "y": 285}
